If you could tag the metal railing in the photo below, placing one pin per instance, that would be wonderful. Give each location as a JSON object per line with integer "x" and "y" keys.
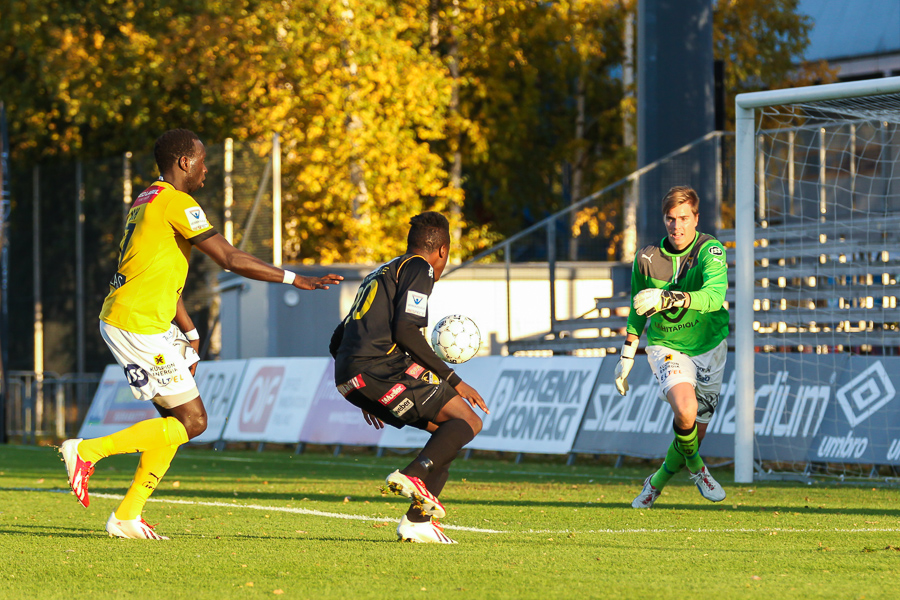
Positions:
{"x": 47, "y": 406}
{"x": 584, "y": 233}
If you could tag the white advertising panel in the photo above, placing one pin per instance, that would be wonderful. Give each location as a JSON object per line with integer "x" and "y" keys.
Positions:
{"x": 273, "y": 400}
{"x": 218, "y": 382}
{"x": 335, "y": 420}
{"x": 114, "y": 407}
{"x": 536, "y": 404}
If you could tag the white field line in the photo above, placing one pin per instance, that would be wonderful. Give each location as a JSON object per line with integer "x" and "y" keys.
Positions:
{"x": 331, "y": 515}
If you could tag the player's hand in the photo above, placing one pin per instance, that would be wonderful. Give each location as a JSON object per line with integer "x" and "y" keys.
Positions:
{"x": 195, "y": 344}
{"x": 652, "y": 300}
{"x": 474, "y": 398}
{"x": 623, "y": 367}
{"x": 373, "y": 420}
{"x": 316, "y": 283}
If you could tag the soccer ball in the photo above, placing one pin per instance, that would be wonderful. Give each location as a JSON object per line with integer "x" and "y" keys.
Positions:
{"x": 456, "y": 339}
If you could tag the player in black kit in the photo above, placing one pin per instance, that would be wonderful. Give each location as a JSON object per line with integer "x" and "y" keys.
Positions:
{"x": 384, "y": 366}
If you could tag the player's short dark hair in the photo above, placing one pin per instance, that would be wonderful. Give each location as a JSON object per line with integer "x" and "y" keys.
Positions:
{"x": 678, "y": 195}
{"x": 171, "y": 146}
{"x": 428, "y": 231}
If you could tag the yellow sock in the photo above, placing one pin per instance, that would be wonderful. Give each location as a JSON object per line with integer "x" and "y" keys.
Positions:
{"x": 154, "y": 464}
{"x": 140, "y": 437}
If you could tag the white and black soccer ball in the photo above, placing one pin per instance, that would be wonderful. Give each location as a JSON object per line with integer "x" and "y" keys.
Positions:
{"x": 456, "y": 339}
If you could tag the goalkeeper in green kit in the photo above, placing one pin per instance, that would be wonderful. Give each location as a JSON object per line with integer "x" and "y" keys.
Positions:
{"x": 679, "y": 285}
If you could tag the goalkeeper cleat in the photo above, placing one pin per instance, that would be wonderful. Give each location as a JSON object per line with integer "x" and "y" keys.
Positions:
{"x": 429, "y": 532}
{"x": 79, "y": 470}
{"x": 134, "y": 529}
{"x": 647, "y": 497}
{"x": 414, "y": 489}
{"x": 709, "y": 487}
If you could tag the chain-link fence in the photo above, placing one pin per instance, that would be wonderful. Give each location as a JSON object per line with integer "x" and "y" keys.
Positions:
{"x": 66, "y": 223}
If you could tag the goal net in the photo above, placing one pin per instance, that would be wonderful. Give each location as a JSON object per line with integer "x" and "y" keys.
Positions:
{"x": 817, "y": 249}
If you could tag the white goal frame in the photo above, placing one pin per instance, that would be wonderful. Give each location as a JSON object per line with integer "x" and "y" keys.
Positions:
{"x": 745, "y": 202}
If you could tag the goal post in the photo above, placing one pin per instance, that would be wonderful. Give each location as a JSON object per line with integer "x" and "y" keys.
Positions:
{"x": 824, "y": 110}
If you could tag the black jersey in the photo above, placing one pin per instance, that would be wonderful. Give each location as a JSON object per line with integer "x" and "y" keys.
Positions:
{"x": 390, "y": 308}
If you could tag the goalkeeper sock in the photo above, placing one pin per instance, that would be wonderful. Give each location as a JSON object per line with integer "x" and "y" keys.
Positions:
{"x": 154, "y": 464}
{"x": 145, "y": 435}
{"x": 687, "y": 442}
{"x": 673, "y": 463}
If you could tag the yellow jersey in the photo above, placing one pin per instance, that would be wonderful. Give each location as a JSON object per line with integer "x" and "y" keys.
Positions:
{"x": 162, "y": 225}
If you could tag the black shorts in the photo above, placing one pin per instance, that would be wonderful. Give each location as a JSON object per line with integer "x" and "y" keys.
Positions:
{"x": 398, "y": 391}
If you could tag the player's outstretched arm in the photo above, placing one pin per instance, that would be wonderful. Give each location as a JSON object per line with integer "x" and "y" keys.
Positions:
{"x": 471, "y": 395}
{"x": 246, "y": 265}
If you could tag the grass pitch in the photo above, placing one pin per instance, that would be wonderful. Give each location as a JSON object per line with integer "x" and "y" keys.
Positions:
{"x": 253, "y": 525}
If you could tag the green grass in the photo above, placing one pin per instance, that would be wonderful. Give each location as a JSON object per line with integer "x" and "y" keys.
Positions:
{"x": 252, "y": 525}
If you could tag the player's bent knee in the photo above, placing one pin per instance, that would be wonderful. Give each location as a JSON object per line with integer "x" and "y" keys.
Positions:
{"x": 197, "y": 426}
{"x": 475, "y": 423}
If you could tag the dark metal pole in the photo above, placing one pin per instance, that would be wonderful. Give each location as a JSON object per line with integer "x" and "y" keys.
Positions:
{"x": 551, "y": 266}
{"x": 79, "y": 267}
{"x": 4, "y": 273}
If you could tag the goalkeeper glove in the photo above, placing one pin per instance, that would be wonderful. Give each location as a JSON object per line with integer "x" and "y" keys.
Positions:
{"x": 652, "y": 300}
{"x": 623, "y": 368}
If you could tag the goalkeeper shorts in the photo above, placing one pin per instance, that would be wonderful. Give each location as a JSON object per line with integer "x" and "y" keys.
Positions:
{"x": 704, "y": 372}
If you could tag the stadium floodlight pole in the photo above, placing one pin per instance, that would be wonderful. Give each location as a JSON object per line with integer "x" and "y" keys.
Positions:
{"x": 745, "y": 199}
{"x": 4, "y": 175}
{"x": 277, "y": 248}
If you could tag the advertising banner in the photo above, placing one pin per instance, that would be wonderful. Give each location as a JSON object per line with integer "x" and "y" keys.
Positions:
{"x": 862, "y": 424}
{"x": 638, "y": 424}
{"x": 218, "y": 382}
{"x": 536, "y": 404}
{"x": 815, "y": 408}
{"x": 333, "y": 420}
{"x": 114, "y": 407}
{"x": 790, "y": 404}
{"x": 273, "y": 399}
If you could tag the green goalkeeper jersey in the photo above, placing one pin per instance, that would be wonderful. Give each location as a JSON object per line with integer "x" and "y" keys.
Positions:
{"x": 699, "y": 269}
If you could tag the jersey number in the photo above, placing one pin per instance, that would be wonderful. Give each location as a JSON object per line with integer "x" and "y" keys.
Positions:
{"x": 129, "y": 229}
{"x": 364, "y": 298}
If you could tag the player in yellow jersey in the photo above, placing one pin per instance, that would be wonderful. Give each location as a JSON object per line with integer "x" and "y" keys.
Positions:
{"x": 137, "y": 324}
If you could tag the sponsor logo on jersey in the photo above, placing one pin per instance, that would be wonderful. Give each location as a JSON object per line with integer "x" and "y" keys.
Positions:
{"x": 715, "y": 251}
{"x": 668, "y": 316}
{"x": 348, "y": 386}
{"x": 196, "y": 218}
{"x": 416, "y": 303}
{"x": 415, "y": 370}
{"x": 402, "y": 408}
{"x": 392, "y": 394}
{"x": 136, "y": 376}
{"x": 649, "y": 258}
{"x": 668, "y": 357}
{"x": 147, "y": 196}
{"x": 159, "y": 359}
{"x": 117, "y": 281}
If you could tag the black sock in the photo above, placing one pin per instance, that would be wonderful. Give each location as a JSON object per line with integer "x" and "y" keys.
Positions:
{"x": 447, "y": 440}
